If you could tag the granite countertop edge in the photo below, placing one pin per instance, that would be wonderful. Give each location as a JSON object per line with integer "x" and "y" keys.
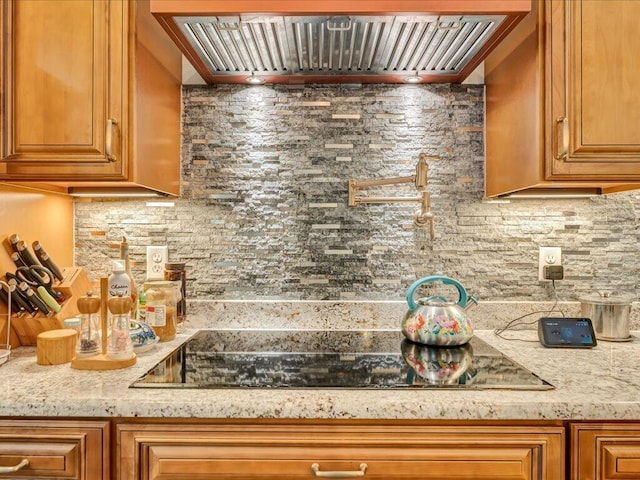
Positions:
{"x": 598, "y": 384}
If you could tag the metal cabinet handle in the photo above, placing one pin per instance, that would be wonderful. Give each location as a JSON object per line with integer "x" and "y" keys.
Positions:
{"x": 110, "y": 126}
{"x": 339, "y": 474}
{"x": 563, "y": 138}
{"x": 15, "y": 468}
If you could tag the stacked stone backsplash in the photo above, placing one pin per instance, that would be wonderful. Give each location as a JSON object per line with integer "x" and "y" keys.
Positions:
{"x": 263, "y": 212}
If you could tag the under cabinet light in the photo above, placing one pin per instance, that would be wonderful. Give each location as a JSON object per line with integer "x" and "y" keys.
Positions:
{"x": 116, "y": 192}
{"x": 253, "y": 80}
{"x": 412, "y": 79}
{"x": 552, "y": 193}
{"x": 161, "y": 204}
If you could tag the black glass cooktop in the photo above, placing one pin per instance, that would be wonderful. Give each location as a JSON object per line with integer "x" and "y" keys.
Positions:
{"x": 356, "y": 359}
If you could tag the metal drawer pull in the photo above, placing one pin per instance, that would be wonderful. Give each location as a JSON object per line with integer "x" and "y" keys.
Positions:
{"x": 15, "y": 468}
{"x": 338, "y": 474}
{"x": 564, "y": 140}
{"x": 110, "y": 124}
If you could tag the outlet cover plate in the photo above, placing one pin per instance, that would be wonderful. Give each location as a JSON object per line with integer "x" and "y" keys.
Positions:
{"x": 157, "y": 256}
{"x": 548, "y": 256}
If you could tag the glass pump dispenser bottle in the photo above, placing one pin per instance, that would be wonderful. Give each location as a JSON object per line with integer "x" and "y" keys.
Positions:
{"x": 89, "y": 337}
{"x": 120, "y": 345}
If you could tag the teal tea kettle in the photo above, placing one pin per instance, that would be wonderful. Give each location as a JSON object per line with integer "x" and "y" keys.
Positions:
{"x": 435, "y": 320}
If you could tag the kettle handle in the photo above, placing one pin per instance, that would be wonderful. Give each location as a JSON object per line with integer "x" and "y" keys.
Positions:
{"x": 462, "y": 301}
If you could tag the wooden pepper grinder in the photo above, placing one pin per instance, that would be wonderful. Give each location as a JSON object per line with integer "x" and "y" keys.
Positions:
{"x": 89, "y": 338}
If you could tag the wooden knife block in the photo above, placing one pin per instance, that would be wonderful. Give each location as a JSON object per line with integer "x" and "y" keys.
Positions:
{"x": 25, "y": 329}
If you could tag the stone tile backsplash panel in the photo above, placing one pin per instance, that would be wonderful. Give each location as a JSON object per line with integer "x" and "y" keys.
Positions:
{"x": 263, "y": 211}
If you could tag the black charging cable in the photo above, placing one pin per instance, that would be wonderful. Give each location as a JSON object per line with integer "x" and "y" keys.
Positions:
{"x": 516, "y": 322}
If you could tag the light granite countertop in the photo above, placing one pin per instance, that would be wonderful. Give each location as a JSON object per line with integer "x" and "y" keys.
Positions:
{"x": 602, "y": 383}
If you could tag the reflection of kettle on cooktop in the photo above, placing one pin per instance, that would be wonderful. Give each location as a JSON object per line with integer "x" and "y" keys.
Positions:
{"x": 438, "y": 365}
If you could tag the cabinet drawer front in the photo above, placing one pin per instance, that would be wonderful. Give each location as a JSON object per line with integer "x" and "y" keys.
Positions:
{"x": 479, "y": 462}
{"x": 274, "y": 452}
{"x": 605, "y": 451}
{"x": 57, "y": 449}
{"x": 620, "y": 459}
{"x": 47, "y": 459}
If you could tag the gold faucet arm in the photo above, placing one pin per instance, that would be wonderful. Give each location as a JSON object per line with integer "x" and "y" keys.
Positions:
{"x": 383, "y": 181}
{"x": 422, "y": 217}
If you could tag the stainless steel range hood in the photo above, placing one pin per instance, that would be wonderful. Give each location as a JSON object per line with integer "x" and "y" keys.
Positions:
{"x": 361, "y": 41}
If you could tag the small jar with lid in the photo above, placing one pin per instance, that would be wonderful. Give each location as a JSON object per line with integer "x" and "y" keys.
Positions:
{"x": 161, "y": 308}
{"x": 175, "y": 272}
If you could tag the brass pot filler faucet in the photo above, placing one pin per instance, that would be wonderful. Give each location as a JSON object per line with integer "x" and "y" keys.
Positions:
{"x": 422, "y": 217}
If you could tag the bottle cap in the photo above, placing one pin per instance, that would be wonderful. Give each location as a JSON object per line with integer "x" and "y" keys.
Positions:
{"x": 174, "y": 266}
{"x": 118, "y": 266}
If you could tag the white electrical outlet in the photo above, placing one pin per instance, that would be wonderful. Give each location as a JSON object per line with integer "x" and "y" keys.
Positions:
{"x": 548, "y": 256}
{"x": 157, "y": 256}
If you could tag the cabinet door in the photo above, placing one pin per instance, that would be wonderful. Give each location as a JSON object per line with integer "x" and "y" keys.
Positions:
{"x": 62, "y": 89}
{"x": 273, "y": 452}
{"x": 54, "y": 449}
{"x": 592, "y": 132}
{"x": 605, "y": 451}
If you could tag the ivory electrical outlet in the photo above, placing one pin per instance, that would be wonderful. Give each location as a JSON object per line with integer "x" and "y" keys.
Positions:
{"x": 157, "y": 256}
{"x": 551, "y": 256}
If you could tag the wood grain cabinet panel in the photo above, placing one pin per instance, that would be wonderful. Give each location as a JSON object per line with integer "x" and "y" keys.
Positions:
{"x": 90, "y": 95}
{"x": 562, "y": 103}
{"x": 271, "y": 451}
{"x": 605, "y": 451}
{"x": 55, "y": 449}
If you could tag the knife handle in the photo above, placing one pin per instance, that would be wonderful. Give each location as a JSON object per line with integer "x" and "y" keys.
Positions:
{"x": 34, "y": 299}
{"x": 48, "y": 299}
{"x": 13, "y": 240}
{"x": 17, "y": 260}
{"x": 26, "y": 255}
{"x": 20, "y": 299}
{"x": 24, "y": 304}
{"x": 4, "y": 296}
{"x": 46, "y": 260}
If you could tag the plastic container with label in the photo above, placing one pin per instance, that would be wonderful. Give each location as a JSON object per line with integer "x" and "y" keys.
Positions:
{"x": 161, "y": 309}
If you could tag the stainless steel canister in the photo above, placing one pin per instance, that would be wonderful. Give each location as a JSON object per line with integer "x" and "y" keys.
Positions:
{"x": 609, "y": 314}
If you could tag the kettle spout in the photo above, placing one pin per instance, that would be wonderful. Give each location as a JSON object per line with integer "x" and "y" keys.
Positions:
{"x": 471, "y": 301}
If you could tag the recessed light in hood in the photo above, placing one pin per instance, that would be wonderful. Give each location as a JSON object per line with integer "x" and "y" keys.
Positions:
{"x": 330, "y": 41}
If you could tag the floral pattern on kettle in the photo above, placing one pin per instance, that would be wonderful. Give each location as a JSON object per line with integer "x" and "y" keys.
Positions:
{"x": 441, "y": 325}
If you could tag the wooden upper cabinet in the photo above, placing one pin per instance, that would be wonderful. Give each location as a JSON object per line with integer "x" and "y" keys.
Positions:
{"x": 60, "y": 90}
{"x": 596, "y": 64}
{"x": 90, "y": 96}
{"x": 562, "y": 104}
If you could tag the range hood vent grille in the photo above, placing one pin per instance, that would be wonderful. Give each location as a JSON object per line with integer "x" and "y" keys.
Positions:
{"x": 228, "y": 45}
{"x": 383, "y": 45}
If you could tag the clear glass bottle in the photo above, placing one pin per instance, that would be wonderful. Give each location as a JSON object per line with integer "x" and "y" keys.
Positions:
{"x": 120, "y": 345}
{"x": 176, "y": 273}
{"x": 133, "y": 287}
{"x": 90, "y": 337}
{"x": 161, "y": 309}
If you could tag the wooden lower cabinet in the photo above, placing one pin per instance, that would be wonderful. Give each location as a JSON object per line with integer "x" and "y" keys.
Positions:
{"x": 166, "y": 451}
{"x": 54, "y": 449}
{"x": 605, "y": 451}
